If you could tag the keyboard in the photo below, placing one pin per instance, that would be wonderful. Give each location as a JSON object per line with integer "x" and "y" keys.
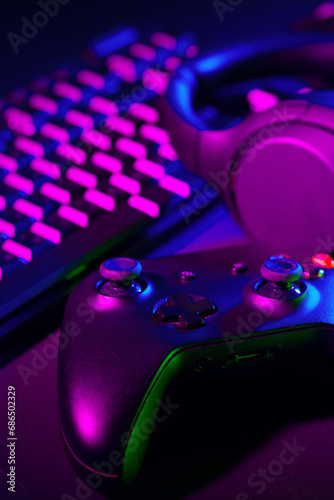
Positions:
{"x": 85, "y": 167}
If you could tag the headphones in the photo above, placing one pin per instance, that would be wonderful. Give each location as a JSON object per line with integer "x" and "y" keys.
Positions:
{"x": 275, "y": 168}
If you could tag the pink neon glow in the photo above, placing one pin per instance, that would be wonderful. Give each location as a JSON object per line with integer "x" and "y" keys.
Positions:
{"x": 144, "y": 112}
{"x": 142, "y": 204}
{"x": 154, "y": 133}
{"x": 123, "y": 67}
{"x": 156, "y": 80}
{"x": 25, "y": 207}
{"x": 2, "y": 202}
{"x": 304, "y": 90}
{"x": 100, "y": 199}
{"x": 20, "y": 121}
{"x": 150, "y": 168}
{"x": 167, "y": 151}
{"x": 85, "y": 179}
{"x": 103, "y": 105}
{"x": 260, "y": 100}
{"x": 46, "y": 167}
{"x": 7, "y": 228}
{"x": 90, "y": 78}
{"x": 142, "y": 51}
{"x": 47, "y": 232}
{"x": 17, "y": 249}
{"x": 75, "y": 117}
{"x": 121, "y": 126}
{"x": 54, "y": 132}
{"x": 67, "y": 90}
{"x": 73, "y": 215}
{"x": 33, "y": 148}
{"x": 8, "y": 163}
{"x": 43, "y": 103}
{"x": 175, "y": 186}
{"x": 160, "y": 39}
{"x": 55, "y": 193}
{"x": 16, "y": 181}
{"x": 172, "y": 63}
{"x": 125, "y": 183}
{"x": 191, "y": 51}
{"x": 71, "y": 153}
{"x": 324, "y": 11}
{"x": 107, "y": 162}
{"x": 131, "y": 148}
{"x": 97, "y": 139}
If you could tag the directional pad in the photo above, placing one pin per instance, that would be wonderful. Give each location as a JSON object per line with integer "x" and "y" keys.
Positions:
{"x": 185, "y": 311}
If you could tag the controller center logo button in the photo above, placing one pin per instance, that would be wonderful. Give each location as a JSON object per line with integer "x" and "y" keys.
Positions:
{"x": 186, "y": 311}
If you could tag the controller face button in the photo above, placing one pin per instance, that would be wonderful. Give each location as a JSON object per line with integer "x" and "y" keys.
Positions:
{"x": 182, "y": 310}
{"x": 186, "y": 276}
{"x": 239, "y": 268}
{"x": 311, "y": 272}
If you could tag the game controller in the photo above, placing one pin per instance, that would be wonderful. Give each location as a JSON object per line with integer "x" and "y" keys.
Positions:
{"x": 132, "y": 328}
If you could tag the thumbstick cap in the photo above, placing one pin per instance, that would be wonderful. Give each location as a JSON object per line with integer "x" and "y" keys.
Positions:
{"x": 281, "y": 270}
{"x": 120, "y": 269}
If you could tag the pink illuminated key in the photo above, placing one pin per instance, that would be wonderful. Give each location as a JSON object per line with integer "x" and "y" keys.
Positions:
{"x": 2, "y": 202}
{"x": 71, "y": 153}
{"x": 7, "y": 228}
{"x": 103, "y": 105}
{"x": 46, "y": 167}
{"x": 123, "y": 67}
{"x": 175, "y": 186}
{"x": 90, "y": 78}
{"x": 150, "y": 168}
{"x": 97, "y": 139}
{"x": 43, "y": 103}
{"x": 17, "y": 249}
{"x": 100, "y": 199}
{"x": 67, "y": 90}
{"x": 154, "y": 134}
{"x": 167, "y": 151}
{"x": 29, "y": 146}
{"x": 73, "y": 215}
{"x": 47, "y": 232}
{"x": 142, "y": 204}
{"x": 125, "y": 183}
{"x": 121, "y": 126}
{"x": 131, "y": 148}
{"x": 156, "y": 80}
{"x": 160, "y": 39}
{"x": 142, "y": 51}
{"x": 107, "y": 162}
{"x": 55, "y": 193}
{"x": 20, "y": 121}
{"x": 144, "y": 112}
{"x": 74, "y": 117}
{"x": 192, "y": 51}
{"x": 8, "y": 163}
{"x": 54, "y": 132}
{"x": 25, "y": 207}
{"x": 81, "y": 177}
{"x": 172, "y": 63}
{"x": 20, "y": 183}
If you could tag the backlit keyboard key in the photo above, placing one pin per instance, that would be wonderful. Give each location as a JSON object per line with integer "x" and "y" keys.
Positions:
{"x": 43, "y": 103}
{"x": 131, "y": 148}
{"x": 142, "y": 51}
{"x": 71, "y": 153}
{"x": 144, "y": 112}
{"x": 107, "y": 162}
{"x": 8, "y": 162}
{"x": 82, "y": 177}
{"x": 20, "y": 121}
{"x": 20, "y": 183}
{"x": 67, "y": 90}
{"x": 155, "y": 80}
{"x": 55, "y": 132}
{"x": 75, "y": 117}
{"x": 29, "y": 146}
{"x": 167, "y": 151}
{"x": 144, "y": 205}
{"x": 164, "y": 40}
{"x": 97, "y": 139}
{"x": 103, "y": 105}
{"x": 47, "y": 232}
{"x": 17, "y": 249}
{"x": 90, "y": 78}
{"x": 175, "y": 185}
{"x": 29, "y": 209}
{"x": 154, "y": 134}
{"x": 121, "y": 126}
{"x": 55, "y": 193}
{"x": 73, "y": 215}
{"x": 46, "y": 167}
{"x": 150, "y": 168}
{"x": 100, "y": 199}
{"x": 123, "y": 67}
{"x": 125, "y": 183}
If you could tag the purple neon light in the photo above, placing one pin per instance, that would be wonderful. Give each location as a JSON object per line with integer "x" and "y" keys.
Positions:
{"x": 150, "y": 168}
{"x": 304, "y": 90}
{"x": 90, "y": 78}
{"x": 324, "y": 11}
{"x": 155, "y": 80}
{"x": 103, "y": 105}
{"x": 29, "y": 146}
{"x": 123, "y": 67}
{"x": 55, "y": 193}
{"x": 167, "y": 151}
{"x": 25, "y": 207}
{"x": 75, "y": 117}
{"x": 100, "y": 199}
{"x": 154, "y": 133}
{"x": 17, "y": 249}
{"x": 260, "y": 100}
{"x": 125, "y": 183}
{"x": 71, "y": 153}
{"x": 54, "y": 132}
{"x": 8, "y": 163}
{"x": 144, "y": 205}
{"x": 175, "y": 186}
{"x": 96, "y": 139}
{"x": 107, "y": 162}
{"x": 2, "y": 202}
{"x": 46, "y": 167}
{"x": 191, "y": 51}
{"x": 142, "y": 51}
{"x": 20, "y": 121}
{"x": 73, "y": 215}
{"x": 144, "y": 112}
{"x": 47, "y": 232}
{"x": 79, "y": 176}
{"x": 19, "y": 182}
{"x": 7, "y": 228}
{"x": 164, "y": 40}
{"x": 172, "y": 63}
{"x": 131, "y": 148}
{"x": 43, "y": 103}
{"x": 121, "y": 126}
{"x": 67, "y": 90}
